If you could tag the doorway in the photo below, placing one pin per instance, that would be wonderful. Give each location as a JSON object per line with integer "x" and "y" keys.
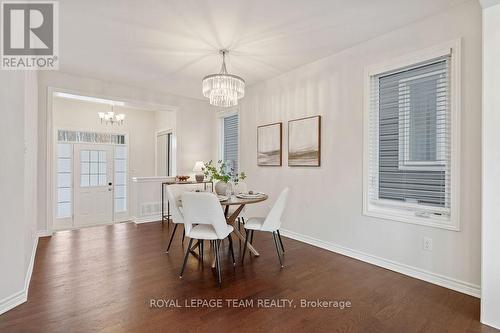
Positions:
{"x": 164, "y": 142}
{"x": 91, "y": 179}
{"x": 94, "y": 161}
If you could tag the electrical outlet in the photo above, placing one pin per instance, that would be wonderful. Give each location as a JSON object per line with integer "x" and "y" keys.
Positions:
{"x": 427, "y": 244}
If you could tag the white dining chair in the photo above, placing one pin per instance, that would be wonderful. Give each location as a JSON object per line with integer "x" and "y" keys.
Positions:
{"x": 271, "y": 223}
{"x": 204, "y": 220}
{"x": 176, "y": 213}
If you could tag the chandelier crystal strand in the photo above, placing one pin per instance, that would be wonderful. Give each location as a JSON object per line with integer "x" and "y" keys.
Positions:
{"x": 223, "y": 89}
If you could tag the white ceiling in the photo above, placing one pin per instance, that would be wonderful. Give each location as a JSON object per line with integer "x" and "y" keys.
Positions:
{"x": 170, "y": 45}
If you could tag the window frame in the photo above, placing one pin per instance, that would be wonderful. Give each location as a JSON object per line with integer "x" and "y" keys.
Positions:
{"x": 220, "y": 129}
{"x": 409, "y": 212}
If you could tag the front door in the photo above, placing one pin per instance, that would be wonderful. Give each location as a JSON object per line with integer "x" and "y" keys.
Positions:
{"x": 93, "y": 184}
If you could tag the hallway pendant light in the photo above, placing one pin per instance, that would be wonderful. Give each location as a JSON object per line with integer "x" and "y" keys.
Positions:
{"x": 110, "y": 118}
{"x": 223, "y": 89}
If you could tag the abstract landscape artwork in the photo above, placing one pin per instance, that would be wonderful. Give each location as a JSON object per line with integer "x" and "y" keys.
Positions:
{"x": 269, "y": 141}
{"x": 304, "y": 141}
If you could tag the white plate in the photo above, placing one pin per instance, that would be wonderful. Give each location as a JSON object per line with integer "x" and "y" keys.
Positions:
{"x": 250, "y": 196}
{"x": 222, "y": 197}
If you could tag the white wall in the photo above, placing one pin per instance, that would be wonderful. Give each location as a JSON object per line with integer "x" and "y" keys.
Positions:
{"x": 194, "y": 136}
{"x": 325, "y": 204}
{"x": 18, "y": 239}
{"x": 490, "y": 301}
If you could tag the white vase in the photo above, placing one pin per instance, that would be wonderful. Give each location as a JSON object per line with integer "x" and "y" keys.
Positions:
{"x": 220, "y": 187}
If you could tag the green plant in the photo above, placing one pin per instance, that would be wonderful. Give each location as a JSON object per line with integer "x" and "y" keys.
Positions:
{"x": 222, "y": 172}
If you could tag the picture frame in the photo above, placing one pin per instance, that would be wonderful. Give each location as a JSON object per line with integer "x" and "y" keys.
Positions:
{"x": 304, "y": 142}
{"x": 270, "y": 144}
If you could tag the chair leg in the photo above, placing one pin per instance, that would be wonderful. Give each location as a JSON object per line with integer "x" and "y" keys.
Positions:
{"x": 251, "y": 237}
{"x": 183, "y": 234}
{"x": 201, "y": 250}
{"x": 217, "y": 262}
{"x": 186, "y": 256}
{"x": 231, "y": 248}
{"x": 245, "y": 246}
{"x": 281, "y": 242}
{"x": 171, "y": 238}
{"x": 277, "y": 249}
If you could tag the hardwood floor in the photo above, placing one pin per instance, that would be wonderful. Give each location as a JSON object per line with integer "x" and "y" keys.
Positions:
{"x": 102, "y": 280}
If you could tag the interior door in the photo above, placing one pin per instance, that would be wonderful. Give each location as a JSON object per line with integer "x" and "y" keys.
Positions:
{"x": 163, "y": 151}
{"x": 93, "y": 184}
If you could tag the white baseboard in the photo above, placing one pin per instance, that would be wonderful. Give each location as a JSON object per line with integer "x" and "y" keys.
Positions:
{"x": 27, "y": 279}
{"x": 421, "y": 274}
{"x": 12, "y": 301}
{"x": 146, "y": 219}
{"x": 20, "y": 297}
{"x": 44, "y": 233}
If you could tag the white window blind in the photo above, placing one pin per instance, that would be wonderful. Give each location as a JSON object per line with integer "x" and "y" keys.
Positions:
{"x": 410, "y": 138}
{"x": 230, "y": 141}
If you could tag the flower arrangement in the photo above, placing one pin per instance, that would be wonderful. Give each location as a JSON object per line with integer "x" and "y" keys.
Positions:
{"x": 222, "y": 172}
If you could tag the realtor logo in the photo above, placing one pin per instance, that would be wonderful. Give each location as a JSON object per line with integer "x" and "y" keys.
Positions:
{"x": 29, "y": 35}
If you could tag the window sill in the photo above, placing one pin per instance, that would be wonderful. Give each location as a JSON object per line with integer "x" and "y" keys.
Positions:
{"x": 411, "y": 217}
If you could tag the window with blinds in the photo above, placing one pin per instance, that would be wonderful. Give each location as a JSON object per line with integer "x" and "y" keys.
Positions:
{"x": 410, "y": 140}
{"x": 230, "y": 141}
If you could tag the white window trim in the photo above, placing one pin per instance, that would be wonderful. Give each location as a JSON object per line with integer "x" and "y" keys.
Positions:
{"x": 405, "y": 212}
{"x": 220, "y": 131}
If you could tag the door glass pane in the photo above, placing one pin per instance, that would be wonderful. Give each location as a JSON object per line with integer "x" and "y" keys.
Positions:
{"x": 102, "y": 180}
{"x": 64, "y": 165}
{"x": 120, "y": 205}
{"x": 120, "y": 178}
{"x": 93, "y": 168}
{"x": 85, "y": 168}
{"x": 120, "y": 191}
{"x": 93, "y": 180}
{"x": 64, "y": 180}
{"x": 102, "y": 168}
{"x": 120, "y": 165}
{"x": 85, "y": 181}
{"x": 102, "y": 156}
{"x": 84, "y": 156}
{"x": 64, "y": 209}
{"x": 64, "y": 195}
{"x": 121, "y": 152}
{"x": 64, "y": 150}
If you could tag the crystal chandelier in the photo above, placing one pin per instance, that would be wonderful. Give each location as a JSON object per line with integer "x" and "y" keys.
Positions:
{"x": 223, "y": 89}
{"x": 111, "y": 118}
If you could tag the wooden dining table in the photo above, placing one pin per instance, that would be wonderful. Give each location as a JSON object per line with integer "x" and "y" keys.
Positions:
{"x": 231, "y": 218}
